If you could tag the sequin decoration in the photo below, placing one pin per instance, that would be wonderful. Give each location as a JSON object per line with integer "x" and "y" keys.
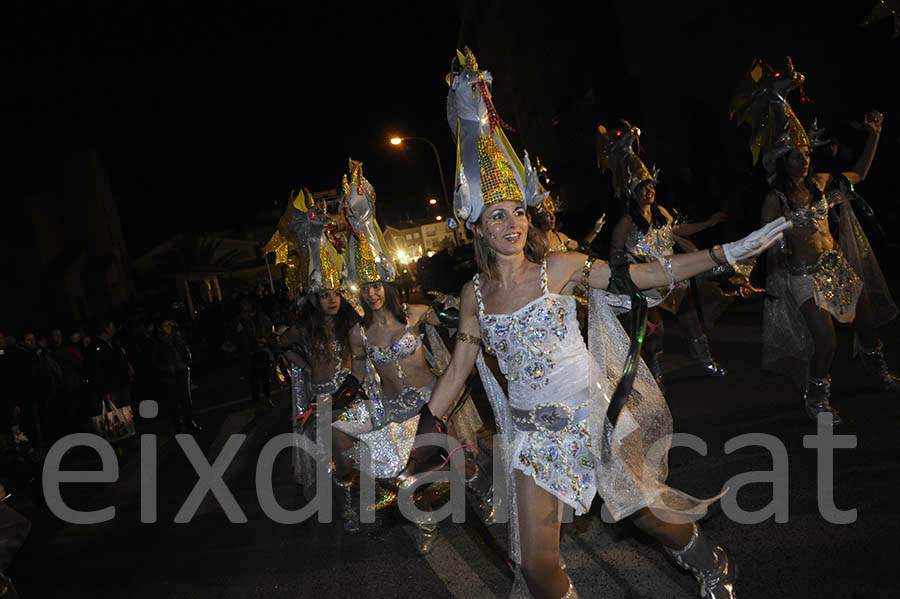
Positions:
{"x": 366, "y": 268}
{"x": 331, "y": 274}
{"x": 535, "y": 370}
{"x": 498, "y": 183}
{"x": 656, "y": 242}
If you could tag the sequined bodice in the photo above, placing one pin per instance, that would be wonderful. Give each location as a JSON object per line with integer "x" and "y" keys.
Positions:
{"x": 539, "y": 348}
{"x": 806, "y": 216}
{"x": 406, "y": 346}
{"x": 656, "y": 242}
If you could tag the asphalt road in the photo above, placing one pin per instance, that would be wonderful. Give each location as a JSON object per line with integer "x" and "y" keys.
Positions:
{"x": 806, "y": 556}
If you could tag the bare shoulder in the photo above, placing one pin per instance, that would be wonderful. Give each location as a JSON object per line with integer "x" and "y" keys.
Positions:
{"x": 821, "y": 179}
{"x": 562, "y": 266}
{"x": 467, "y": 297}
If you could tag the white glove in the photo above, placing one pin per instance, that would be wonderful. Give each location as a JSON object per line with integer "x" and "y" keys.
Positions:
{"x": 757, "y": 242}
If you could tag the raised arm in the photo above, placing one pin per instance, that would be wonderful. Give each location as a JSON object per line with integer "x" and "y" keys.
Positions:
{"x": 468, "y": 343}
{"x": 598, "y": 226}
{"x": 872, "y": 122}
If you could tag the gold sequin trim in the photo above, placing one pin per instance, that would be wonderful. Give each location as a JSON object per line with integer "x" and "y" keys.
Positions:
{"x": 468, "y": 339}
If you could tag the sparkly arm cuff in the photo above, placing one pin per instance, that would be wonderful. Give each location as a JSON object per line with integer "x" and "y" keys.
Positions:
{"x": 468, "y": 339}
{"x": 666, "y": 263}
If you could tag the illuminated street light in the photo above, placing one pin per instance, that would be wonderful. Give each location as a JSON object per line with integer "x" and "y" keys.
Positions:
{"x": 432, "y": 201}
{"x": 438, "y": 217}
{"x": 396, "y": 141}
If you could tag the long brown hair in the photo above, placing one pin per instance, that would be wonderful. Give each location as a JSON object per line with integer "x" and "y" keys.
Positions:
{"x": 314, "y": 334}
{"x": 787, "y": 186}
{"x": 391, "y": 302}
{"x": 535, "y": 249}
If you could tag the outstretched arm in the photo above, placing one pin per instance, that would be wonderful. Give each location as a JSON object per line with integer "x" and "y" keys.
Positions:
{"x": 685, "y": 266}
{"x": 451, "y": 382}
{"x": 688, "y": 229}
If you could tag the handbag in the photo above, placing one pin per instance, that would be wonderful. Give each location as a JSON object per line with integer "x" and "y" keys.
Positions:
{"x": 113, "y": 423}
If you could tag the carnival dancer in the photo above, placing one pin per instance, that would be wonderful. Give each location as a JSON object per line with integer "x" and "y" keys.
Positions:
{"x": 552, "y": 422}
{"x": 388, "y": 340}
{"x": 645, "y": 233}
{"x": 813, "y": 279}
{"x": 317, "y": 349}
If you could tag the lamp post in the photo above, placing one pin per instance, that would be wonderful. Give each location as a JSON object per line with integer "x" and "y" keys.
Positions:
{"x": 396, "y": 141}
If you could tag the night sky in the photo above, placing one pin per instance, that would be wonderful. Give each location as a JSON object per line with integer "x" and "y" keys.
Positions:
{"x": 201, "y": 116}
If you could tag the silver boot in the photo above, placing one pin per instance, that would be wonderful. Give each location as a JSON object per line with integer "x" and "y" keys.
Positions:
{"x": 874, "y": 363}
{"x": 699, "y": 350}
{"x": 426, "y": 535}
{"x": 709, "y": 564}
{"x": 348, "y": 498}
{"x": 817, "y": 399}
{"x": 481, "y": 487}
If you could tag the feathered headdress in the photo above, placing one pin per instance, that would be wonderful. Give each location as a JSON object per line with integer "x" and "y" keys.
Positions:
{"x": 367, "y": 255}
{"x": 616, "y": 155}
{"x": 487, "y": 169}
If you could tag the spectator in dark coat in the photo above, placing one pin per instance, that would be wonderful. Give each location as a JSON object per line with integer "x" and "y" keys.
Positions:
{"x": 172, "y": 362}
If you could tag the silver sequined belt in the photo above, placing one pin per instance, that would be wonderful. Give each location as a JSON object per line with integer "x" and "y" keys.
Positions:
{"x": 331, "y": 385}
{"x": 828, "y": 261}
{"x": 548, "y": 416}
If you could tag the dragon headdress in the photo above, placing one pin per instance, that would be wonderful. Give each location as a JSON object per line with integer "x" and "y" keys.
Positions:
{"x": 367, "y": 254}
{"x": 487, "y": 169}
{"x": 310, "y": 224}
{"x": 615, "y": 154}
{"x": 761, "y": 102}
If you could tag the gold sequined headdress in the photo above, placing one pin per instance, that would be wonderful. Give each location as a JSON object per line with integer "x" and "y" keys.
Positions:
{"x": 311, "y": 225}
{"x": 366, "y": 249}
{"x": 761, "y": 102}
{"x": 615, "y": 154}
{"x": 487, "y": 169}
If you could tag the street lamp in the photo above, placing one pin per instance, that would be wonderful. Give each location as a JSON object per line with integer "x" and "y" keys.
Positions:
{"x": 438, "y": 217}
{"x": 396, "y": 141}
{"x": 432, "y": 201}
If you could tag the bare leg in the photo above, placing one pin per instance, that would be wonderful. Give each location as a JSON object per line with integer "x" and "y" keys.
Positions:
{"x": 863, "y": 324}
{"x": 540, "y": 514}
{"x": 821, "y": 327}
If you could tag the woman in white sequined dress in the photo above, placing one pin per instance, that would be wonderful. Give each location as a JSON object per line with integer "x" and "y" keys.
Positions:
{"x": 554, "y": 438}
{"x": 521, "y": 308}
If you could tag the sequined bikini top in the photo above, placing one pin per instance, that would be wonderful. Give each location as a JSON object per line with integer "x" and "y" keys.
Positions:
{"x": 806, "y": 216}
{"x": 408, "y": 344}
{"x": 533, "y": 341}
{"x": 561, "y": 247}
{"x": 656, "y": 242}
